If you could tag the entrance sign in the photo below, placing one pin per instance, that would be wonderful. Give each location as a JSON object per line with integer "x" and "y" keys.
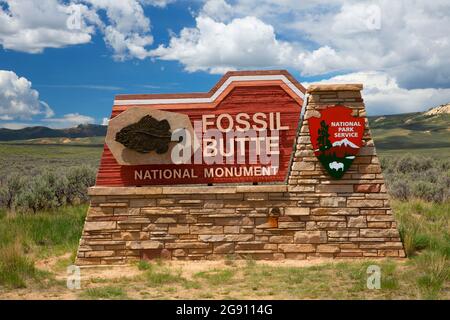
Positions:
{"x": 336, "y": 137}
{"x": 240, "y": 171}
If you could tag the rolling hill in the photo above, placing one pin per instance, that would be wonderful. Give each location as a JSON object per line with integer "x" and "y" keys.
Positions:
{"x": 419, "y": 130}
{"x": 81, "y": 131}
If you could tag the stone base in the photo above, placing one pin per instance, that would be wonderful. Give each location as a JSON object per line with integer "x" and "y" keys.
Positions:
{"x": 262, "y": 222}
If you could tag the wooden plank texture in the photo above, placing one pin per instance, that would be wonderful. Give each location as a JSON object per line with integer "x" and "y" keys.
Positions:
{"x": 262, "y": 97}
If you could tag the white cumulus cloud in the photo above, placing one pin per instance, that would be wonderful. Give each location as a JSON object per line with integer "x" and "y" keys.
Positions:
{"x": 32, "y": 26}
{"x": 69, "y": 120}
{"x": 18, "y": 100}
{"x": 406, "y": 39}
{"x": 16, "y": 125}
{"x": 383, "y": 95}
{"x": 217, "y": 46}
{"x": 127, "y": 29}
{"x": 218, "y": 10}
{"x": 399, "y": 50}
{"x": 244, "y": 43}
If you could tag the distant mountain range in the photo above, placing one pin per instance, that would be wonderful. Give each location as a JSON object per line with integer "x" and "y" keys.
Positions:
{"x": 81, "y": 131}
{"x": 429, "y": 129}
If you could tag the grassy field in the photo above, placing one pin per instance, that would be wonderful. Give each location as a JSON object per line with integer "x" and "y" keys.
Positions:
{"x": 29, "y": 157}
{"x": 36, "y": 249}
{"x": 87, "y": 141}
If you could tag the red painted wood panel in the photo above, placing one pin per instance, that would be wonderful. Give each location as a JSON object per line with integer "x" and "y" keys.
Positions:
{"x": 249, "y": 99}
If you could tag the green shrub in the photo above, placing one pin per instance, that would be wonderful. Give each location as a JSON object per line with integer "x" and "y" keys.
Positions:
{"x": 44, "y": 191}
{"x": 400, "y": 189}
{"x": 79, "y": 180}
{"x": 10, "y": 187}
{"x": 429, "y": 191}
{"x": 409, "y": 177}
{"x": 47, "y": 189}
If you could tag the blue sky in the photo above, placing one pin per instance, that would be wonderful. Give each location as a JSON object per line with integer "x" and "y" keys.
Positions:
{"x": 57, "y": 76}
{"x": 84, "y": 78}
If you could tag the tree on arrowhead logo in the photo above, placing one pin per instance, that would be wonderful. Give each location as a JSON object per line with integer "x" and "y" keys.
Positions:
{"x": 336, "y": 137}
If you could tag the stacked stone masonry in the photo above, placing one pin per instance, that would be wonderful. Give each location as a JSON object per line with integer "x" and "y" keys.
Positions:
{"x": 312, "y": 215}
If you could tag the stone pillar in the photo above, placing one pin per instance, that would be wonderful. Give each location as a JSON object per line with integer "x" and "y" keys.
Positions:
{"x": 354, "y": 211}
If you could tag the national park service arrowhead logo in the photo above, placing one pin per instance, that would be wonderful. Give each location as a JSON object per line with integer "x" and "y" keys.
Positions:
{"x": 336, "y": 137}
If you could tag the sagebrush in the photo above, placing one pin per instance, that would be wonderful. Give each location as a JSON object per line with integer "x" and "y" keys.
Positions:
{"x": 407, "y": 177}
{"x": 417, "y": 177}
{"x": 46, "y": 189}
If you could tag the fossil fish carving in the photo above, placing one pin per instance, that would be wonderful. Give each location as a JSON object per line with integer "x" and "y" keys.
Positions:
{"x": 146, "y": 135}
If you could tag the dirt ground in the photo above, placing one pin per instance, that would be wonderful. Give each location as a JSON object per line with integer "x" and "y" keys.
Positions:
{"x": 235, "y": 279}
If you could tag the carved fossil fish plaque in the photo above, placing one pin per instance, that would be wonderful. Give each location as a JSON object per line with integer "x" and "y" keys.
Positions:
{"x": 146, "y": 135}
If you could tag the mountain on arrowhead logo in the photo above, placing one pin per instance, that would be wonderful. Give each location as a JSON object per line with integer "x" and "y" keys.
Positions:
{"x": 336, "y": 137}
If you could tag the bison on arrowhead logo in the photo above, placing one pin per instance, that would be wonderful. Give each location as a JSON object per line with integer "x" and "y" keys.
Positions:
{"x": 336, "y": 137}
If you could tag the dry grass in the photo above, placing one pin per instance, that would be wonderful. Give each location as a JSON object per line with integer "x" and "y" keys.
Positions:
{"x": 322, "y": 279}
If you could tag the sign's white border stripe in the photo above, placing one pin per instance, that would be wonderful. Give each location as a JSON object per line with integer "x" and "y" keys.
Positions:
{"x": 215, "y": 95}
